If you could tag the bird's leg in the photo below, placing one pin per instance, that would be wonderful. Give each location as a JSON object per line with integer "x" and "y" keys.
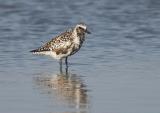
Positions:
{"x": 66, "y": 71}
{"x": 60, "y": 63}
{"x": 66, "y": 62}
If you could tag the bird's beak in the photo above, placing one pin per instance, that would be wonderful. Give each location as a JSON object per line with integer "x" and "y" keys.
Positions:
{"x": 88, "y": 31}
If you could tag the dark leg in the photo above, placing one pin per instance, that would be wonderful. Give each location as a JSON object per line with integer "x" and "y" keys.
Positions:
{"x": 60, "y": 63}
{"x": 66, "y": 62}
{"x": 66, "y": 71}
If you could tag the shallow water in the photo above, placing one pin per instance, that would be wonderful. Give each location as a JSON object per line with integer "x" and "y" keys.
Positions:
{"x": 116, "y": 71}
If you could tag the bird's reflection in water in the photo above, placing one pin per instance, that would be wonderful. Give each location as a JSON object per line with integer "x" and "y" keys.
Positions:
{"x": 67, "y": 88}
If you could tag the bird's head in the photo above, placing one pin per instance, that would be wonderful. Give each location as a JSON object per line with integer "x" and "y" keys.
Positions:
{"x": 82, "y": 28}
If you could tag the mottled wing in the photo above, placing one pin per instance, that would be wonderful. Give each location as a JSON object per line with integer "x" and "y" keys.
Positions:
{"x": 62, "y": 41}
{"x": 58, "y": 43}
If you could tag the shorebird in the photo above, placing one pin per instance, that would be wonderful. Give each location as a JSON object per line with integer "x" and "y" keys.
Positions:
{"x": 65, "y": 44}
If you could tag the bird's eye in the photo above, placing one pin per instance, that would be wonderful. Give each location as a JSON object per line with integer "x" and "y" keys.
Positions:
{"x": 81, "y": 28}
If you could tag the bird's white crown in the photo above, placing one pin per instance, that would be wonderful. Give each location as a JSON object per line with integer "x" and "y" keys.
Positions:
{"x": 81, "y": 25}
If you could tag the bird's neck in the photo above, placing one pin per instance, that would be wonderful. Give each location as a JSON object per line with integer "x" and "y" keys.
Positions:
{"x": 78, "y": 38}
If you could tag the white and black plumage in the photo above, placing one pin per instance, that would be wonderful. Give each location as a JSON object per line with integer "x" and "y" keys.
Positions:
{"x": 65, "y": 44}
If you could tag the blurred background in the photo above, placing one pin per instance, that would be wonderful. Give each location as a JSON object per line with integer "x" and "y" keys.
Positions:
{"x": 116, "y": 70}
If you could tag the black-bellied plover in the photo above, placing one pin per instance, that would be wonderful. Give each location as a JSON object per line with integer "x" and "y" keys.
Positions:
{"x": 65, "y": 44}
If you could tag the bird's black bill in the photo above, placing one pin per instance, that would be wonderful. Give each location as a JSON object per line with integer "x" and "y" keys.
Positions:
{"x": 88, "y": 31}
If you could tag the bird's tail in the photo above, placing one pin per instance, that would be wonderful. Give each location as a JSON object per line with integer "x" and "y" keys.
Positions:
{"x": 40, "y": 51}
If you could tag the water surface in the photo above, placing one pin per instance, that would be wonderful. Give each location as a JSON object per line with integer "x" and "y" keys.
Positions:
{"x": 116, "y": 71}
